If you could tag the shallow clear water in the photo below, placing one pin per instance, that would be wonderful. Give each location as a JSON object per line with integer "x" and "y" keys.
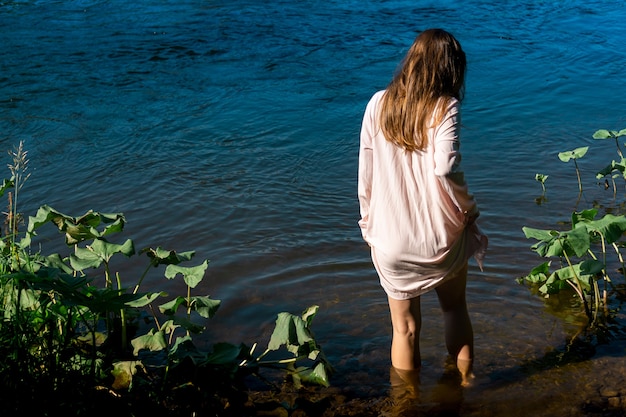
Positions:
{"x": 231, "y": 128}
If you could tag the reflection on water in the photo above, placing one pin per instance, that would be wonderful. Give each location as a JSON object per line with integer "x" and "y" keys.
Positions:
{"x": 404, "y": 392}
{"x": 407, "y": 399}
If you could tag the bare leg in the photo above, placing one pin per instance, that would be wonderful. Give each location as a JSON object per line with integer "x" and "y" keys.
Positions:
{"x": 458, "y": 327}
{"x": 406, "y": 320}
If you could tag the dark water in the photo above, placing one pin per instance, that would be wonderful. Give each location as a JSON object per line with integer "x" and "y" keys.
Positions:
{"x": 231, "y": 128}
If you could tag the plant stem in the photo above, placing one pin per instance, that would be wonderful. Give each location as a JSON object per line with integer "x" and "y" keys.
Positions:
{"x": 122, "y": 313}
{"x": 141, "y": 278}
{"x": 580, "y": 295}
{"x": 614, "y": 188}
{"x": 188, "y": 302}
{"x": 279, "y": 362}
{"x": 580, "y": 184}
{"x": 580, "y": 288}
{"x": 605, "y": 275}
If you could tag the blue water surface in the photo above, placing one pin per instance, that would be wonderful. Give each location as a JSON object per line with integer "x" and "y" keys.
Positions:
{"x": 231, "y": 128}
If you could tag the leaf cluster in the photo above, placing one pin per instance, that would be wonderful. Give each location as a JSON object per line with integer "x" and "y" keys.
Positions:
{"x": 580, "y": 251}
{"x": 74, "y": 314}
{"x": 579, "y": 257}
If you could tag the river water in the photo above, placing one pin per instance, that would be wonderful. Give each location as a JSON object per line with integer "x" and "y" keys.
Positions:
{"x": 231, "y": 128}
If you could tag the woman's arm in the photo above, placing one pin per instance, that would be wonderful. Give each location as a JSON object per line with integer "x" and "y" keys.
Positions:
{"x": 448, "y": 161}
{"x": 365, "y": 164}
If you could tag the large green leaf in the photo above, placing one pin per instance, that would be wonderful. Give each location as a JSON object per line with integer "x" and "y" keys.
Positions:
{"x": 610, "y": 226}
{"x": 309, "y": 314}
{"x": 185, "y": 323}
{"x": 318, "y": 375}
{"x": 584, "y": 216}
{"x": 539, "y": 234}
{"x": 145, "y": 299}
{"x": 538, "y": 274}
{"x": 606, "y": 134}
{"x": 205, "y": 306}
{"x": 55, "y": 261}
{"x": 553, "y": 243}
{"x": 123, "y": 373}
{"x": 160, "y": 256}
{"x": 577, "y": 241}
{"x": 99, "y": 251}
{"x": 290, "y": 331}
{"x": 620, "y": 167}
{"x": 152, "y": 341}
{"x": 226, "y": 354}
{"x": 192, "y": 275}
{"x": 602, "y": 134}
{"x": 84, "y": 258}
{"x": 116, "y": 226}
{"x": 77, "y": 229}
{"x": 169, "y": 327}
{"x": 553, "y": 285}
{"x": 585, "y": 271}
{"x": 171, "y": 306}
{"x": 573, "y": 154}
{"x": 184, "y": 349}
{"x": 106, "y": 250}
{"x": 293, "y": 332}
{"x": 76, "y": 233}
{"x": 102, "y": 300}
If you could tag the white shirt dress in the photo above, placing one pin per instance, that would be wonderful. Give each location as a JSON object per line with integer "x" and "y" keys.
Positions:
{"x": 415, "y": 206}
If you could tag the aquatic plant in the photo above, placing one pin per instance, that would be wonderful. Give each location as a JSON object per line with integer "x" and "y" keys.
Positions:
{"x": 610, "y": 134}
{"x": 579, "y": 257}
{"x": 542, "y": 178}
{"x": 582, "y": 255}
{"x": 615, "y": 168}
{"x": 70, "y": 321}
{"x": 574, "y": 155}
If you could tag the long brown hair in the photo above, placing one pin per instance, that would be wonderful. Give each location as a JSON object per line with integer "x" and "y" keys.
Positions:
{"x": 430, "y": 75}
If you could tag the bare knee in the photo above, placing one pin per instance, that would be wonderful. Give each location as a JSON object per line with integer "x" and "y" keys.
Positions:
{"x": 405, "y": 328}
{"x": 406, "y": 319}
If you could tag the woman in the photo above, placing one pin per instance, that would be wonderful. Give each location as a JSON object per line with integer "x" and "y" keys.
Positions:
{"x": 416, "y": 212}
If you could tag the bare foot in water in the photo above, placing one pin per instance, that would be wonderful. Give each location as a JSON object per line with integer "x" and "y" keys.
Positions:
{"x": 465, "y": 368}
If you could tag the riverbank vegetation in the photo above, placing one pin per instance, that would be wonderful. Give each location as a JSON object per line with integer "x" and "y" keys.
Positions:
{"x": 79, "y": 336}
{"x": 584, "y": 255}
